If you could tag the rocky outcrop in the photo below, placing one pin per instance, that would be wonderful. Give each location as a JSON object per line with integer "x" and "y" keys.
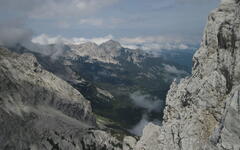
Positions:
{"x": 40, "y": 111}
{"x": 203, "y": 111}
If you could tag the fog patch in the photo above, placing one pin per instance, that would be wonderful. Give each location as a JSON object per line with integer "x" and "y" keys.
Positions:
{"x": 146, "y": 101}
{"x": 150, "y": 104}
{"x": 138, "y": 128}
{"x": 14, "y": 32}
{"x": 173, "y": 69}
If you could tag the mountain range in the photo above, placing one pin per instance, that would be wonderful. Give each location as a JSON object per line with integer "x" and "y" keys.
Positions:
{"x": 110, "y": 75}
{"x": 99, "y": 97}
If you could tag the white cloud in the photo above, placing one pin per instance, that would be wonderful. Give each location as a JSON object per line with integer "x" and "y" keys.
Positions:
{"x": 138, "y": 128}
{"x": 146, "y": 101}
{"x": 173, "y": 69}
{"x": 45, "y": 39}
{"x": 144, "y": 43}
{"x": 156, "y": 43}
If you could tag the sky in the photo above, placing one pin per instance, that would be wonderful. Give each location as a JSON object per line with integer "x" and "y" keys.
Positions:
{"x": 146, "y": 24}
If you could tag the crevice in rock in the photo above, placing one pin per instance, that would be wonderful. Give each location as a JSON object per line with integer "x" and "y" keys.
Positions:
{"x": 186, "y": 99}
{"x": 54, "y": 146}
{"x": 228, "y": 77}
{"x": 83, "y": 145}
{"x": 238, "y": 102}
{"x": 218, "y": 57}
{"x": 179, "y": 142}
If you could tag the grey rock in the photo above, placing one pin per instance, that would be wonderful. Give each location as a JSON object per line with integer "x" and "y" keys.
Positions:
{"x": 129, "y": 143}
{"x": 40, "y": 111}
{"x": 202, "y": 111}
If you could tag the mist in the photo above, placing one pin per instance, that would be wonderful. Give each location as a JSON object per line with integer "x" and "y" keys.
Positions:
{"x": 150, "y": 104}
{"x": 146, "y": 101}
{"x": 138, "y": 128}
{"x": 14, "y": 32}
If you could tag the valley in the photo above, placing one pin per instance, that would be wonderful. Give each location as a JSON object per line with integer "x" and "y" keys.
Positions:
{"x": 122, "y": 84}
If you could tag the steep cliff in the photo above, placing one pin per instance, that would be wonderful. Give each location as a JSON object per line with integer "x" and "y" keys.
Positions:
{"x": 203, "y": 111}
{"x": 40, "y": 111}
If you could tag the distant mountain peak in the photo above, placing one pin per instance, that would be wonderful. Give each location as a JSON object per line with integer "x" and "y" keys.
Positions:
{"x": 111, "y": 44}
{"x": 89, "y": 44}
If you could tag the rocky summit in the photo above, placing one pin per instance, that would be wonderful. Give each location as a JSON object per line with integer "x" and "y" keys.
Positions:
{"x": 203, "y": 111}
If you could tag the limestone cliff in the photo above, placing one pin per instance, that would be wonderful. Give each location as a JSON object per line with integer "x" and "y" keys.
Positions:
{"x": 39, "y": 111}
{"x": 203, "y": 111}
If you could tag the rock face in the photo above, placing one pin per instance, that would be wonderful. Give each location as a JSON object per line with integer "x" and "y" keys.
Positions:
{"x": 203, "y": 111}
{"x": 40, "y": 111}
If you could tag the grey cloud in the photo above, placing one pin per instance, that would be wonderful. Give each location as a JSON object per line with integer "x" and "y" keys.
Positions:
{"x": 14, "y": 14}
{"x": 54, "y": 8}
{"x": 173, "y": 69}
{"x": 146, "y": 101}
{"x": 53, "y": 51}
{"x": 138, "y": 128}
{"x": 13, "y": 33}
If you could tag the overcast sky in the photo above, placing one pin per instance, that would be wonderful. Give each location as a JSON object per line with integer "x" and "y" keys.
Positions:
{"x": 132, "y": 22}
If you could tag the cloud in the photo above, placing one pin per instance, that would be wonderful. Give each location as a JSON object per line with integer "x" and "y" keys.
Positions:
{"x": 146, "y": 101}
{"x": 138, "y": 128}
{"x": 144, "y": 43}
{"x": 156, "y": 43}
{"x": 55, "y": 8}
{"x": 12, "y": 33}
{"x": 45, "y": 39}
{"x": 69, "y": 8}
{"x": 15, "y": 14}
{"x": 173, "y": 69}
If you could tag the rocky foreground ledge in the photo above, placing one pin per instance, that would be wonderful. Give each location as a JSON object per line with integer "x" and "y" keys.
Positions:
{"x": 203, "y": 111}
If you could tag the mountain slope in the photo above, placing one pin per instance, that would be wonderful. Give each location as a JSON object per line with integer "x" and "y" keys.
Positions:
{"x": 122, "y": 72}
{"x": 202, "y": 111}
{"x": 40, "y": 111}
{"x": 110, "y": 75}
